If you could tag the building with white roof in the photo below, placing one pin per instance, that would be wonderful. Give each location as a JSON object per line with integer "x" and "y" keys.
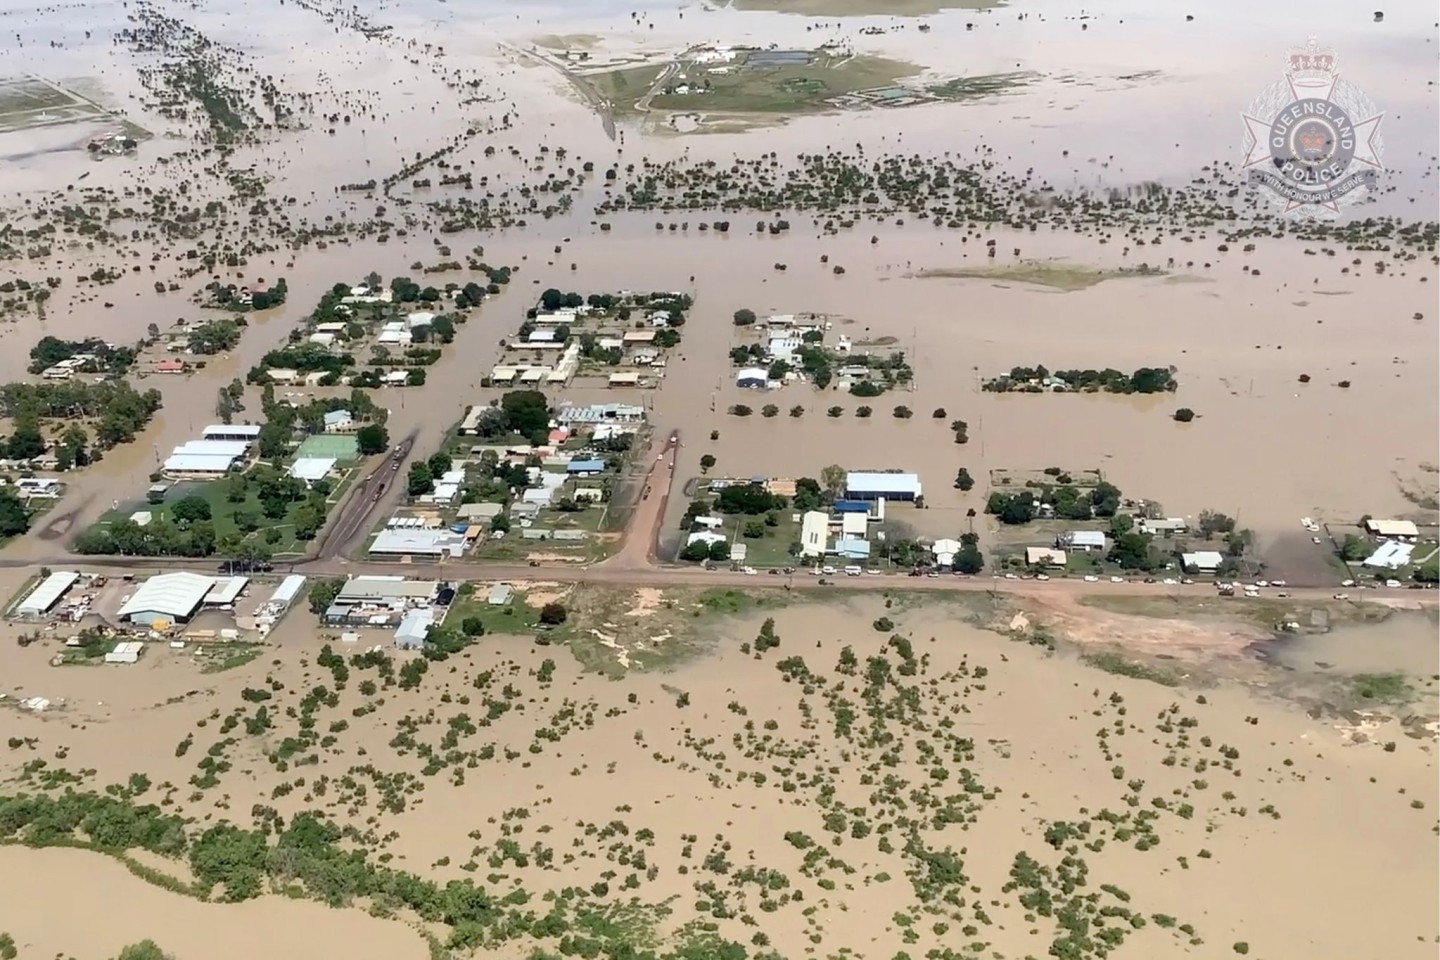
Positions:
{"x": 414, "y": 628}
{"x": 46, "y": 594}
{"x": 814, "y": 533}
{"x": 286, "y": 593}
{"x": 1044, "y": 557}
{"x": 944, "y": 549}
{"x": 426, "y": 544}
{"x": 1392, "y": 555}
{"x": 1202, "y": 561}
{"x": 752, "y": 378}
{"x": 226, "y": 590}
{"x": 1085, "y": 539}
{"x": 168, "y": 597}
{"x": 864, "y": 485}
{"x": 311, "y": 469}
{"x": 245, "y": 432}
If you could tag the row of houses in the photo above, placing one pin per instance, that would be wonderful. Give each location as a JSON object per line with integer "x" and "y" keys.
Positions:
{"x": 220, "y": 448}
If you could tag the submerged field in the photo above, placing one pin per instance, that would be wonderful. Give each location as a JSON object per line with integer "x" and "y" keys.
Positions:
{"x": 852, "y": 779}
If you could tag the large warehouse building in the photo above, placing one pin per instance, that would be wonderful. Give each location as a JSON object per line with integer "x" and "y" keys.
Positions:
{"x": 874, "y": 486}
{"x": 167, "y": 598}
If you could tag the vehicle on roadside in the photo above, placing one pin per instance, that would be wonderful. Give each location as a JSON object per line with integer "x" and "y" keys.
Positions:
{"x": 1091, "y": 578}
{"x": 853, "y": 571}
{"x": 1042, "y": 576}
{"x": 1169, "y": 582}
{"x": 1117, "y": 579}
{"x": 827, "y": 570}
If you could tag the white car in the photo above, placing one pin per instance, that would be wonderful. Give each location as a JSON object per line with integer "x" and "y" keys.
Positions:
{"x": 1347, "y": 583}
{"x": 1042, "y": 576}
{"x": 1091, "y": 578}
{"x": 1186, "y": 580}
{"x": 1392, "y": 584}
{"x": 1169, "y": 582}
{"x": 1342, "y": 596}
{"x": 1277, "y": 583}
{"x": 1262, "y": 583}
{"x": 1117, "y": 579}
{"x": 1011, "y": 576}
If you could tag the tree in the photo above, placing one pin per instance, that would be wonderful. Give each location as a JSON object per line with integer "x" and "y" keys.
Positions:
{"x": 832, "y": 478}
{"x": 769, "y": 410}
{"x": 1210, "y": 523}
{"x": 191, "y": 508}
{"x": 420, "y": 480}
{"x": 740, "y": 410}
{"x": 797, "y": 411}
{"x": 439, "y": 464}
{"x": 14, "y": 518}
{"x": 372, "y": 438}
{"x": 754, "y": 529}
{"x": 553, "y": 614}
{"x": 835, "y": 412}
{"x": 969, "y": 559}
{"x": 1131, "y": 551}
{"x": 744, "y": 317}
{"x": 719, "y": 551}
{"x": 1121, "y": 524}
{"x": 695, "y": 552}
{"x": 962, "y": 431}
{"x": 1105, "y": 499}
{"x": 808, "y": 495}
{"x": 963, "y": 481}
{"x": 1184, "y": 415}
{"x": 472, "y": 627}
{"x": 706, "y": 462}
{"x": 939, "y": 413}
{"x": 903, "y": 413}
{"x": 1354, "y": 548}
{"x": 144, "y": 950}
{"x": 526, "y": 412}
{"x": 863, "y": 412}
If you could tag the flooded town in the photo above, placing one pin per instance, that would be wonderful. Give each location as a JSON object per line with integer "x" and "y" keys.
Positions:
{"x": 743, "y": 479}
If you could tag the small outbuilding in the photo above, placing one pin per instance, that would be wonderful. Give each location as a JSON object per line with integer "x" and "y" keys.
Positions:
{"x": 1202, "y": 561}
{"x": 752, "y": 378}
{"x": 1044, "y": 557}
{"x": 500, "y": 595}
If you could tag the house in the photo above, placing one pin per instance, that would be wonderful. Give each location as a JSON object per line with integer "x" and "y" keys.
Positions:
{"x": 944, "y": 550}
{"x": 658, "y": 318}
{"x": 282, "y": 375}
{"x": 782, "y": 346}
{"x": 539, "y": 496}
{"x": 1044, "y": 557}
{"x": 541, "y": 336}
{"x": 127, "y": 651}
{"x": 232, "y": 432}
{"x": 166, "y": 598}
{"x": 503, "y": 376}
{"x": 395, "y": 378}
{"x": 420, "y": 318}
{"x": 1202, "y": 561}
{"x": 585, "y": 468}
{"x": 1166, "y": 527}
{"x": 814, "y": 533}
{"x": 524, "y": 509}
{"x": 47, "y": 487}
{"x": 322, "y": 339}
{"x": 1392, "y": 555}
{"x": 337, "y": 421}
{"x": 1391, "y": 528}
{"x": 752, "y": 378}
{"x": 312, "y": 469}
{"x": 479, "y": 511}
{"x": 863, "y": 485}
{"x": 172, "y": 365}
{"x": 414, "y": 628}
{"x": 599, "y": 413}
{"x": 707, "y": 537}
{"x": 638, "y": 336}
{"x": 499, "y": 595}
{"x": 286, "y": 593}
{"x": 623, "y": 380}
{"x": 853, "y": 549}
{"x": 854, "y": 525}
{"x": 1086, "y": 540}
{"x": 46, "y": 594}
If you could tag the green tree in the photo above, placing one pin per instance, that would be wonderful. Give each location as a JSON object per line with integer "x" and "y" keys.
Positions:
{"x": 769, "y": 410}
{"x": 832, "y": 478}
{"x": 706, "y": 462}
{"x": 372, "y": 438}
{"x": 144, "y": 950}
{"x": 1184, "y": 415}
{"x": 190, "y": 508}
{"x": 963, "y": 481}
{"x": 439, "y": 464}
{"x": 14, "y": 517}
{"x": 744, "y": 317}
{"x": 740, "y": 410}
{"x": 419, "y": 481}
{"x": 863, "y": 412}
{"x": 695, "y": 552}
{"x": 903, "y": 413}
{"x": 1131, "y": 551}
{"x": 324, "y": 592}
{"x": 553, "y": 614}
{"x": 719, "y": 551}
{"x": 754, "y": 529}
{"x": 526, "y": 413}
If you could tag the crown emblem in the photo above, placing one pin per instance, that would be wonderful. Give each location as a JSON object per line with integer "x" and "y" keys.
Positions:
{"x": 1312, "y": 141}
{"x": 1312, "y": 66}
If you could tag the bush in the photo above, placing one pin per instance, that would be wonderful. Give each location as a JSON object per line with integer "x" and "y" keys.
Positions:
{"x": 740, "y": 410}
{"x": 472, "y": 627}
{"x": 1184, "y": 415}
{"x": 553, "y": 614}
{"x": 863, "y": 412}
{"x": 884, "y": 625}
{"x": 903, "y": 413}
{"x": 939, "y": 413}
{"x": 744, "y": 317}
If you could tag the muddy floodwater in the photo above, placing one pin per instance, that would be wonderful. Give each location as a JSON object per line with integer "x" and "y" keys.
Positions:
{"x": 740, "y": 773}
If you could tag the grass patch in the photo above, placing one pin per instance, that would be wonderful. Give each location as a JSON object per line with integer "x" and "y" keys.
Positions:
{"x": 514, "y": 618}
{"x": 1054, "y": 275}
{"x": 1381, "y": 687}
{"x": 978, "y": 88}
{"x": 1261, "y": 612}
{"x": 1120, "y": 665}
{"x": 228, "y": 657}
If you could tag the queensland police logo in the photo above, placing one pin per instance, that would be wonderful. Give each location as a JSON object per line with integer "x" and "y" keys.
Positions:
{"x": 1312, "y": 140}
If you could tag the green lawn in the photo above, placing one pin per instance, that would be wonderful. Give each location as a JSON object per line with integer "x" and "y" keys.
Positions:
{"x": 223, "y": 513}
{"x": 773, "y": 548}
{"x": 516, "y": 617}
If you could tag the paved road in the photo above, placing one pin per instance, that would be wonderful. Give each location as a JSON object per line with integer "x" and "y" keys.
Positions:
{"x": 380, "y": 489}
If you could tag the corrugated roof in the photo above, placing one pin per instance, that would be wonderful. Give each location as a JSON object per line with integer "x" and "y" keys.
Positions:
{"x": 864, "y": 482}
{"x": 288, "y": 590}
{"x": 199, "y": 463}
{"x": 226, "y": 590}
{"x": 385, "y": 588}
{"x": 311, "y": 469}
{"x": 173, "y": 594}
{"x": 425, "y": 542}
{"x": 231, "y": 430}
{"x": 48, "y": 592}
{"x": 235, "y": 448}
